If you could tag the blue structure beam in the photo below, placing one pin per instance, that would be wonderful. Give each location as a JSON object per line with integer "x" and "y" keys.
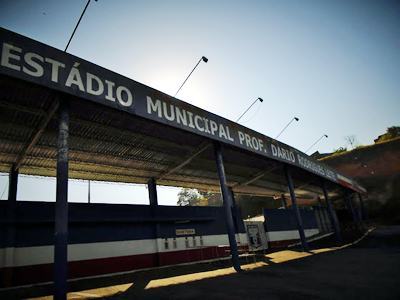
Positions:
{"x": 362, "y": 207}
{"x": 37, "y": 134}
{"x": 152, "y": 187}
{"x": 61, "y": 207}
{"x": 12, "y": 185}
{"x": 234, "y": 210}
{"x": 349, "y": 202}
{"x": 296, "y": 211}
{"x": 227, "y": 201}
{"x": 283, "y": 199}
{"x": 331, "y": 213}
{"x": 7, "y": 279}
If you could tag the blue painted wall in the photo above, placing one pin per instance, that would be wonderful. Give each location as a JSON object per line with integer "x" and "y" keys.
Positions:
{"x": 284, "y": 219}
{"x": 109, "y": 222}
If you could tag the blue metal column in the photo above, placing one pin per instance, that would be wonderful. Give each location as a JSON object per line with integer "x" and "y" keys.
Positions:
{"x": 299, "y": 221}
{"x": 362, "y": 207}
{"x": 7, "y": 278}
{"x": 319, "y": 218}
{"x": 325, "y": 220}
{"x": 350, "y": 206}
{"x": 227, "y": 201}
{"x": 153, "y": 199}
{"x": 331, "y": 212}
{"x": 61, "y": 207}
{"x": 283, "y": 199}
{"x": 234, "y": 210}
{"x": 12, "y": 186}
{"x": 152, "y": 187}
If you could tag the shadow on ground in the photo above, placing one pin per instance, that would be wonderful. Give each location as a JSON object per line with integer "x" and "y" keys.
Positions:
{"x": 368, "y": 270}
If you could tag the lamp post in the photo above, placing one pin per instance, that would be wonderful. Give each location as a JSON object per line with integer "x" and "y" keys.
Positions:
{"x": 284, "y": 128}
{"x": 77, "y": 24}
{"x": 258, "y": 99}
{"x": 325, "y": 135}
{"x": 203, "y": 58}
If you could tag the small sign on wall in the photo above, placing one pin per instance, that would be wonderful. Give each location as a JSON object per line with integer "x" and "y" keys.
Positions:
{"x": 189, "y": 231}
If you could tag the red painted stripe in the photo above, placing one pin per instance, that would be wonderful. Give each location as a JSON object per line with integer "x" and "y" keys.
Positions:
{"x": 345, "y": 183}
{"x": 282, "y": 244}
{"x": 43, "y": 273}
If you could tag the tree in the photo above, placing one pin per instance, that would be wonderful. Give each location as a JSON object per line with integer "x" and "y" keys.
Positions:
{"x": 188, "y": 197}
{"x": 351, "y": 140}
{"x": 391, "y": 133}
{"x": 194, "y": 197}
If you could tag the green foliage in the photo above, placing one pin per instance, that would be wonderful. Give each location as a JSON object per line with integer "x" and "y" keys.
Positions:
{"x": 339, "y": 150}
{"x": 194, "y": 197}
{"x": 188, "y": 197}
{"x": 391, "y": 133}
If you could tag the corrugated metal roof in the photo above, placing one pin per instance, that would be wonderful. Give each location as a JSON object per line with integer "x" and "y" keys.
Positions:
{"x": 110, "y": 145}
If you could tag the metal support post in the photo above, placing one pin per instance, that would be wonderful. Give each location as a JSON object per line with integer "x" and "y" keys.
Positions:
{"x": 153, "y": 199}
{"x": 152, "y": 187}
{"x": 299, "y": 221}
{"x": 12, "y": 186}
{"x": 318, "y": 217}
{"x": 7, "y": 279}
{"x": 234, "y": 210}
{"x": 349, "y": 202}
{"x": 88, "y": 195}
{"x": 283, "y": 199}
{"x": 319, "y": 202}
{"x": 362, "y": 207}
{"x": 331, "y": 213}
{"x": 227, "y": 201}
{"x": 321, "y": 213}
{"x": 61, "y": 207}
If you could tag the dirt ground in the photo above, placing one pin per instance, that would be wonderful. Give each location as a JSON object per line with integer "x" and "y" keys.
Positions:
{"x": 367, "y": 270}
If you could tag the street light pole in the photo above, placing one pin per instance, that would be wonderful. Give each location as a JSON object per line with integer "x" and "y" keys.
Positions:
{"x": 77, "y": 24}
{"x": 284, "y": 128}
{"x": 258, "y": 99}
{"x": 316, "y": 142}
{"x": 203, "y": 58}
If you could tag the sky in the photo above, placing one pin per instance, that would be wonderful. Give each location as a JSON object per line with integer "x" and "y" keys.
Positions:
{"x": 333, "y": 64}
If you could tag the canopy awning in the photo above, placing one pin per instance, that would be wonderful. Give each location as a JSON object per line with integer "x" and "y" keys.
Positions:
{"x": 123, "y": 131}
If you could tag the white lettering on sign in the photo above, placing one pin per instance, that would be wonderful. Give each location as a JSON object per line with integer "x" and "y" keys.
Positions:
{"x": 190, "y": 231}
{"x": 282, "y": 153}
{"x": 173, "y": 113}
{"x": 313, "y": 166}
{"x": 251, "y": 142}
{"x": 35, "y": 65}
{"x": 36, "y": 68}
{"x": 8, "y": 53}
{"x": 55, "y": 66}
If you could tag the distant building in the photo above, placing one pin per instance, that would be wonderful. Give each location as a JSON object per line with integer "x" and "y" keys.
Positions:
{"x": 317, "y": 155}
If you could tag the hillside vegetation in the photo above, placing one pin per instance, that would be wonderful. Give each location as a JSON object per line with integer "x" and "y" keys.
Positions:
{"x": 377, "y": 168}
